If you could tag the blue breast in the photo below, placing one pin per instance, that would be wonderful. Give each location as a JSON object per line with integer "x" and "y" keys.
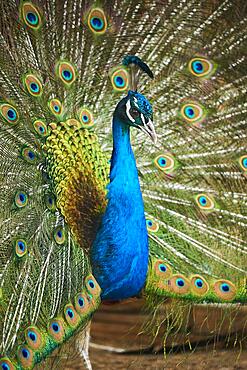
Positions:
{"x": 119, "y": 255}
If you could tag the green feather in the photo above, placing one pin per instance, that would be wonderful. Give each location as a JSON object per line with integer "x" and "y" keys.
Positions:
{"x": 54, "y": 161}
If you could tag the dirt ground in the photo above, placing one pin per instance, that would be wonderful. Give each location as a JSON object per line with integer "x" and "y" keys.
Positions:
{"x": 198, "y": 360}
{"x": 216, "y": 340}
{"x": 206, "y": 337}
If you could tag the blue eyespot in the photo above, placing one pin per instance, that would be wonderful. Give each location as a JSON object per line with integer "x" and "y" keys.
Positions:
{"x": 189, "y": 112}
{"x": 81, "y": 302}
{"x": 28, "y": 154}
{"x": 5, "y": 366}
{"x": 199, "y": 283}
{"x": 55, "y": 327}
{"x": 205, "y": 202}
{"x": 119, "y": 81}
{"x": 41, "y": 129}
{"x": 97, "y": 23}
{"x": 21, "y": 199}
{"x": 21, "y": 246}
{"x": 56, "y": 108}
{"x": 31, "y": 155}
{"x": 244, "y": 162}
{"x": 51, "y": 205}
{"x": 67, "y": 75}
{"x": 162, "y": 267}
{"x": 32, "y": 336}
{"x": 34, "y": 87}
{"x": 162, "y": 162}
{"x": 70, "y": 313}
{"x": 85, "y": 118}
{"x": 152, "y": 225}
{"x": 59, "y": 234}
{"x": 91, "y": 284}
{"x": 32, "y": 18}
{"x": 180, "y": 282}
{"x": 25, "y": 353}
{"x": 202, "y": 200}
{"x": 225, "y": 288}
{"x": 11, "y": 114}
{"x": 197, "y": 67}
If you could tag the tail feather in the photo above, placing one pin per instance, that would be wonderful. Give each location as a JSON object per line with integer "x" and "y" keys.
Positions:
{"x": 193, "y": 180}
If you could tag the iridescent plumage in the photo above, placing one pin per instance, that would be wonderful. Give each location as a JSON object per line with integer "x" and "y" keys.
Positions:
{"x": 67, "y": 68}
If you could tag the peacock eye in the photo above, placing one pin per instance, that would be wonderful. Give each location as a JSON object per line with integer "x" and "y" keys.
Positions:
{"x": 134, "y": 112}
{"x": 96, "y": 21}
{"x": 31, "y": 16}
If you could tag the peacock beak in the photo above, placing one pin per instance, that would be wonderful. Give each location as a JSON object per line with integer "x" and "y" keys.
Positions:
{"x": 148, "y": 128}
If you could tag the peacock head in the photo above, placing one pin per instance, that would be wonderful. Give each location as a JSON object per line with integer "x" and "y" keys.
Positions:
{"x": 136, "y": 111}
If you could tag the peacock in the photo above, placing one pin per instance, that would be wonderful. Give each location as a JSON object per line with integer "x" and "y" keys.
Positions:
{"x": 152, "y": 206}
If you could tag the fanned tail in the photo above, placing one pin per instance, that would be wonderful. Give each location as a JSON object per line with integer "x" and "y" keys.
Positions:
{"x": 60, "y": 79}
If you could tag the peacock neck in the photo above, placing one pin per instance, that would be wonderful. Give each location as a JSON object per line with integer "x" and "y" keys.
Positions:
{"x": 120, "y": 252}
{"x": 122, "y": 158}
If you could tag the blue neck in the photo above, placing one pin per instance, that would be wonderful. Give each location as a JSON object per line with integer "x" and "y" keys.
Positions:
{"x": 119, "y": 254}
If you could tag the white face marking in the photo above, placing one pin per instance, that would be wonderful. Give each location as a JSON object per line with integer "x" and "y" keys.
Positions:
{"x": 151, "y": 130}
{"x": 128, "y": 111}
{"x": 143, "y": 119}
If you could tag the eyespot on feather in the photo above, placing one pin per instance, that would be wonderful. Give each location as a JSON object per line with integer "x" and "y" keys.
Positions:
{"x": 179, "y": 284}
{"x": 162, "y": 269}
{"x": 92, "y": 286}
{"x": 59, "y": 235}
{"x": 55, "y": 107}
{"x": 165, "y": 162}
{"x": 86, "y": 118}
{"x": 6, "y": 364}
{"x": 21, "y": 199}
{"x": 40, "y": 128}
{"x": 9, "y": 113}
{"x": 225, "y": 289}
{"x": 201, "y": 67}
{"x": 25, "y": 357}
{"x": 205, "y": 202}
{"x": 66, "y": 72}
{"x": 199, "y": 286}
{"x": 31, "y": 15}
{"x": 56, "y": 329}
{"x": 28, "y": 155}
{"x": 33, "y": 85}
{"x": 20, "y": 247}
{"x": 119, "y": 77}
{"x": 152, "y": 226}
{"x": 82, "y": 305}
{"x": 96, "y": 21}
{"x": 71, "y": 316}
{"x": 243, "y": 162}
{"x": 50, "y": 202}
{"x": 34, "y": 338}
{"x": 193, "y": 113}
